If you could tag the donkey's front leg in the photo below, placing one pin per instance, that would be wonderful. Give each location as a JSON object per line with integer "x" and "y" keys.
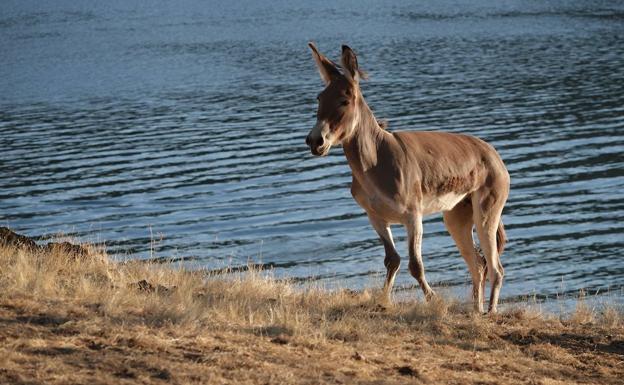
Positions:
{"x": 414, "y": 242}
{"x": 392, "y": 261}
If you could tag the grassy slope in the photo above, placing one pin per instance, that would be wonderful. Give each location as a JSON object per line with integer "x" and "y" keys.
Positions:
{"x": 65, "y": 320}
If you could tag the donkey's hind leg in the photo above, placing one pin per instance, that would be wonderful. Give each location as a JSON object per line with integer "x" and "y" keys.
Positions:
{"x": 459, "y": 224}
{"x": 392, "y": 261}
{"x": 487, "y": 210}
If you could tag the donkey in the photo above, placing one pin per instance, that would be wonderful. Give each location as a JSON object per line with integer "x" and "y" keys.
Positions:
{"x": 399, "y": 177}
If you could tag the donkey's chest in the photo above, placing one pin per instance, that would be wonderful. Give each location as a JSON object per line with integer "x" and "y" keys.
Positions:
{"x": 377, "y": 203}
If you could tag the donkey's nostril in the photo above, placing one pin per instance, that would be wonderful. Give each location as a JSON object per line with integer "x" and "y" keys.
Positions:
{"x": 308, "y": 140}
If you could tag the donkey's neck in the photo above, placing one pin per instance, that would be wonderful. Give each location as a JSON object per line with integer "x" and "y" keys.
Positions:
{"x": 361, "y": 148}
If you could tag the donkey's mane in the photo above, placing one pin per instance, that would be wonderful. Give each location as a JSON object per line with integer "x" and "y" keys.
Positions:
{"x": 383, "y": 123}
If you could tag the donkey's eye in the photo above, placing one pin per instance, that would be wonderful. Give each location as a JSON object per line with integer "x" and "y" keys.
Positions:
{"x": 344, "y": 103}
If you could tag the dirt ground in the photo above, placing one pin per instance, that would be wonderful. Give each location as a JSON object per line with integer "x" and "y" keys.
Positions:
{"x": 82, "y": 319}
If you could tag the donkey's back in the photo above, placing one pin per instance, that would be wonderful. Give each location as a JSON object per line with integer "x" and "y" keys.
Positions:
{"x": 447, "y": 164}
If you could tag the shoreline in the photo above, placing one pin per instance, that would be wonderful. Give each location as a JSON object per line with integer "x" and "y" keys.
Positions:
{"x": 82, "y": 318}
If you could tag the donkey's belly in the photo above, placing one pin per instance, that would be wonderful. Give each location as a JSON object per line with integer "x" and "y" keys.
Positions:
{"x": 445, "y": 202}
{"x": 394, "y": 211}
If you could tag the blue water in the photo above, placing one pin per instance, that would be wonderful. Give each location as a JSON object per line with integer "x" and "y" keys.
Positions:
{"x": 176, "y": 130}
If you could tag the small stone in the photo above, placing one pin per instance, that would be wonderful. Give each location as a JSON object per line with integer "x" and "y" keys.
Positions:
{"x": 70, "y": 249}
{"x": 9, "y": 238}
{"x": 281, "y": 340}
{"x": 145, "y": 286}
{"x": 408, "y": 371}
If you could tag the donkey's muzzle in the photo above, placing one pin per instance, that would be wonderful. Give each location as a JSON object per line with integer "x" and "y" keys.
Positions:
{"x": 315, "y": 144}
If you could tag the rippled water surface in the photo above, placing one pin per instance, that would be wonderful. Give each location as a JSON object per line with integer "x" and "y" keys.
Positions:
{"x": 176, "y": 129}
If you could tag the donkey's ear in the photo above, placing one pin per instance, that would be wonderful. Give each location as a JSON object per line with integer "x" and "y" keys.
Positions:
{"x": 326, "y": 67}
{"x": 349, "y": 63}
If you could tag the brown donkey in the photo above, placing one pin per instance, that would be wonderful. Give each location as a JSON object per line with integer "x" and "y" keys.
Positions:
{"x": 399, "y": 177}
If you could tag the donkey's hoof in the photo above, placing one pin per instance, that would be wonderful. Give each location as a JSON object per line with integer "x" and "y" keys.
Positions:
{"x": 430, "y": 295}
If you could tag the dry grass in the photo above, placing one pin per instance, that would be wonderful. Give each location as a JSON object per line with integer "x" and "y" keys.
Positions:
{"x": 89, "y": 320}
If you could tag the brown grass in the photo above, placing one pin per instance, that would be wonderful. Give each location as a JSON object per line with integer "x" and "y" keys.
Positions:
{"x": 67, "y": 320}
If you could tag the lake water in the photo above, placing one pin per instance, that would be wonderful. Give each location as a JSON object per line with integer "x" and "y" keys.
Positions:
{"x": 176, "y": 130}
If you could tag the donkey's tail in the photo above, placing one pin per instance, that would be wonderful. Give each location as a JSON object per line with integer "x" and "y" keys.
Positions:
{"x": 501, "y": 238}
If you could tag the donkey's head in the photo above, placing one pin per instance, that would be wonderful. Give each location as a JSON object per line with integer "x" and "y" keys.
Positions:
{"x": 338, "y": 110}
